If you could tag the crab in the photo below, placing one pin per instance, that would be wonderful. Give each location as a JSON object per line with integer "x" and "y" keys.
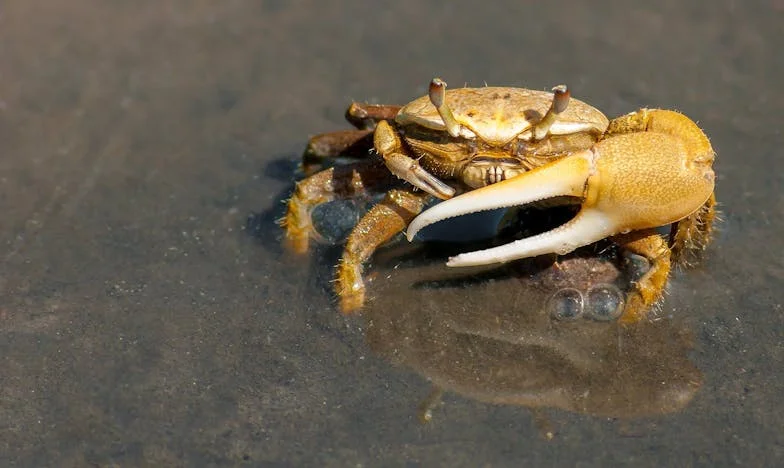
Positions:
{"x": 485, "y": 148}
{"x": 437, "y": 146}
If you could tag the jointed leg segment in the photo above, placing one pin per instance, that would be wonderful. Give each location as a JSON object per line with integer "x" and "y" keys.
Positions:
{"x": 690, "y": 236}
{"x": 380, "y": 224}
{"x": 366, "y": 116}
{"x": 330, "y": 184}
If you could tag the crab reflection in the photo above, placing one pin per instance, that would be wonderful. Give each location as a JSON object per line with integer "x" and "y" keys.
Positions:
{"x": 496, "y": 335}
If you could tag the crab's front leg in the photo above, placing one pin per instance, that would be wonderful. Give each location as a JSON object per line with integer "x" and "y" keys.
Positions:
{"x": 386, "y": 219}
{"x": 390, "y": 147}
{"x": 330, "y": 184}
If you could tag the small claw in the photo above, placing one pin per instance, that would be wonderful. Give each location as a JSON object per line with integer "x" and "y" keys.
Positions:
{"x": 409, "y": 170}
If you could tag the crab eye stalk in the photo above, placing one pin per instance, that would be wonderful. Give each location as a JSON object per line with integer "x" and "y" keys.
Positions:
{"x": 436, "y": 92}
{"x": 559, "y": 104}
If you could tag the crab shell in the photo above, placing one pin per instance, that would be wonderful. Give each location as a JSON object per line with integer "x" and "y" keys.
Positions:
{"x": 657, "y": 174}
{"x": 498, "y": 115}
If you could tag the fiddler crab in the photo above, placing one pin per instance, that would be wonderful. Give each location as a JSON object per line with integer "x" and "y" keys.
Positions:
{"x": 494, "y": 147}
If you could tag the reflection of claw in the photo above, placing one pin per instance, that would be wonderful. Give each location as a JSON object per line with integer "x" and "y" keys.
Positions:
{"x": 511, "y": 352}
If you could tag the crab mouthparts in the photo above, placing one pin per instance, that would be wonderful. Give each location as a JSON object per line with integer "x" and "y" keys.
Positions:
{"x": 569, "y": 176}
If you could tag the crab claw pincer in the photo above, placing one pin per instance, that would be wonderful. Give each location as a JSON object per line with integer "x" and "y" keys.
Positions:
{"x": 626, "y": 182}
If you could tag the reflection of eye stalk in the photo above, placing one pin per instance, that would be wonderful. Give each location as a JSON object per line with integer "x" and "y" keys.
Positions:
{"x": 491, "y": 336}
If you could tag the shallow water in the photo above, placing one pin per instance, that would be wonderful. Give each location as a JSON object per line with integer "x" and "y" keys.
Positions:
{"x": 142, "y": 323}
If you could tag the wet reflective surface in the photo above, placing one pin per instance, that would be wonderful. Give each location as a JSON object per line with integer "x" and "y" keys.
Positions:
{"x": 514, "y": 335}
{"x": 142, "y": 322}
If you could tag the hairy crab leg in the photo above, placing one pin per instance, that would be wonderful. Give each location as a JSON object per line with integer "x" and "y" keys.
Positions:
{"x": 650, "y": 287}
{"x": 325, "y": 186}
{"x": 691, "y": 235}
{"x": 386, "y": 219}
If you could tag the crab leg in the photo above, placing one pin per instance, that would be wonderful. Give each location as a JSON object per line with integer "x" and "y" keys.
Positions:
{"x": 690, "y": 236}
{"x": 349, "y": 143}
{"x": 381, "y": 223}
{"x": 323, "y": 187}
{"x": 366, "y": 116}
{"x": 650, "y": 287}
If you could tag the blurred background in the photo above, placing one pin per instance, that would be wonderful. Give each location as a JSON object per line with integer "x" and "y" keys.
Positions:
{"x": 142, "y": 322}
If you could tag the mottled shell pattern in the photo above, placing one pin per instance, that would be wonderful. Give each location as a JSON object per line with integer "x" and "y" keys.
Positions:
{"x": 498, "y": 115}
